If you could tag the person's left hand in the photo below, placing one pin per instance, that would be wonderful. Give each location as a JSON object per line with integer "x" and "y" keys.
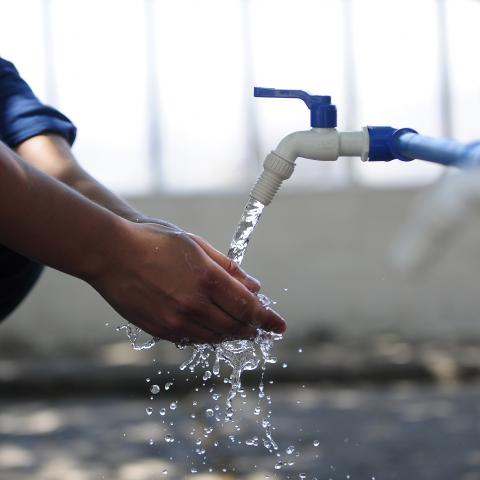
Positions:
{"x": 226, "y": 263}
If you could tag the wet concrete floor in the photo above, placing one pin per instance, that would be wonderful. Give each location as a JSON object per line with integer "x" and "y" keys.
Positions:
{"x": 404, "y": 431}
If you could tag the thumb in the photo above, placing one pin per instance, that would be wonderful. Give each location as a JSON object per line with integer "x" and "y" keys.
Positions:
{"x": 228, "y": 264}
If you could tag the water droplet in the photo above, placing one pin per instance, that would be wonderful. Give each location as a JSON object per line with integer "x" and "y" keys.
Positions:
{"x": 285, "y": 289}
{"x": 284, "y": 365}
{"x": 165, "y": 472}
{"x": 193, "y": 470}
{"x": 300, "y": 350}
{"x": 149, "y": 410}
{"x": 252, "y": 442}
{"x": 316, "y": 443}
{"x": 147, "y": 379}
{"x": 278, "y": 465}
{"x": 168, "y": 385}
{"x": 154, "y": 389}
{"x": 169, "y": 438}
{"x": 162, "y": 412}
{"x": 173, "y": 405}
{"x": 240, "y": 355}
{"x": 151, "y": 442}
{"x": 290, "y": 449}
{"x": 302, "y": 476}
{"x": 257, "y": 411}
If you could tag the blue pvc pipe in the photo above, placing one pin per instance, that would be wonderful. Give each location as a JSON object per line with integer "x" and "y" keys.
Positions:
{"x": 408, "y": 146}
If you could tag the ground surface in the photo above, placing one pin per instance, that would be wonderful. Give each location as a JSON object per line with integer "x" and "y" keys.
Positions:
{"x": 392, "y": 432}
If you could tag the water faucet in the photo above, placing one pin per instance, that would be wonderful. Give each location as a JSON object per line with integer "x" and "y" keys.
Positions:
{"x": 324, "y": 142}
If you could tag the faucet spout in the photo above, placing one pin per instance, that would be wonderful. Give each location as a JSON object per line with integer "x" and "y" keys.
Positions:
{"x": 325, "y": 144}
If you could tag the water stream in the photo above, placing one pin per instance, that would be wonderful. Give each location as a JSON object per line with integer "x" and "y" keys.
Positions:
{"x": 239, "y": 355}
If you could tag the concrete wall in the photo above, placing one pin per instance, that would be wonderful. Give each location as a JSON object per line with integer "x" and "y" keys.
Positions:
{"x": 327, "y": 249}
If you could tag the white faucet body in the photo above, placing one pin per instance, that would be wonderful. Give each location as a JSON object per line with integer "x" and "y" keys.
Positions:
{"x": 325, "y": 144}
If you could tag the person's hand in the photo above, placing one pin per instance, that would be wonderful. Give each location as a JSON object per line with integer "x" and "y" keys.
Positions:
{"x": 226, "y": 263}
{"x": 175, "y": 286}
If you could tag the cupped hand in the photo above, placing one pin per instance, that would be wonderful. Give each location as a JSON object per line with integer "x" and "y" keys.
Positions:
{"x": 176, "y": 286}
{"x": 226, "y": 263}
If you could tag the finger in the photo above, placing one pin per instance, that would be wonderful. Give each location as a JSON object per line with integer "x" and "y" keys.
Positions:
{"x": 193, "y": 332}
{"x": 178, "y": 328}
{"x": 233, "y": 298}
{"x": 214, "y": 318}
{"x": 228, "y": 264}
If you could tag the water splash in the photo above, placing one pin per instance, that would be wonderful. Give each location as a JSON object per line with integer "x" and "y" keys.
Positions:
{"x": 239, "y": 355}
{"x": 133, "y": 332}
{"x": 251, "y": 215}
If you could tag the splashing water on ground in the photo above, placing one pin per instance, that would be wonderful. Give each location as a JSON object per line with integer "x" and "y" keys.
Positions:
{"x": 239, "y": 355}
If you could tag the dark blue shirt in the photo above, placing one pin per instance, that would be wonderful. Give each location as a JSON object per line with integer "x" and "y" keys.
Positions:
{"x": 22, "y": 115}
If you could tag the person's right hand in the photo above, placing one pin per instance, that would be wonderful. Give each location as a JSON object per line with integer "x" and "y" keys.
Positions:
{"x": 175, "y": 286}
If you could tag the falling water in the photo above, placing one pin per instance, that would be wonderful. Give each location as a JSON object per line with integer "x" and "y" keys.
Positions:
{"x": 251, "y": 215}
{"x": 240, "y": 355}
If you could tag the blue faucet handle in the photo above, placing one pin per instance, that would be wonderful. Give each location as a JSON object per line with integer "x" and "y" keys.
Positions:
{"x": 322, "y": 113}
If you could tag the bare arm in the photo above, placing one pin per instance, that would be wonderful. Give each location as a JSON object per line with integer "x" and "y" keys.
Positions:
{"x": 155, "y": 276}
{"x": 51, "y": 154}
{"x": 45, "y": 220}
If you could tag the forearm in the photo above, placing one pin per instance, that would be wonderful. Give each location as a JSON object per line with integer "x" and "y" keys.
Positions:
{"x": 163, "y": 280}
{"x": 51, "y": 154}
{"x": 49, "y": 222}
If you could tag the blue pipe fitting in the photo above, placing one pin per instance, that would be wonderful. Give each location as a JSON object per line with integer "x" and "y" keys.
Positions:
{"x": 387, "y": 143}
{"x": 383, "y": 144}
{"x": 322, "y": 113}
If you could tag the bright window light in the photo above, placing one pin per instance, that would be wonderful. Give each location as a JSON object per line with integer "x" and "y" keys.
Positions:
{"x": 162, "y": 90}
{"x": 201, "y": 91}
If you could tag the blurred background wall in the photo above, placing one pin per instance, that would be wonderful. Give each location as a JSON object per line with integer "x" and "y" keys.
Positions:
{"x": 162, "y": 94}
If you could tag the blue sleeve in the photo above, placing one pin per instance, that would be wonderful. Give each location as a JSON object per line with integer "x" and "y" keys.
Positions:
{"x": 22, "y": 115}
